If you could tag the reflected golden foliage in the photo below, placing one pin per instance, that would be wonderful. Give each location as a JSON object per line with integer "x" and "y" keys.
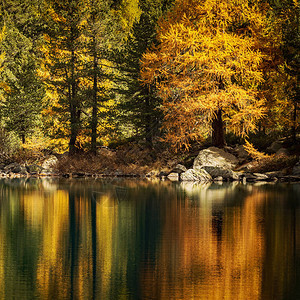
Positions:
{"x": 106, "y": 222}
{"x": 2, "y": 265}
{"x": 51, "y": 272}
{"x": 206, "y": 243}
{"x": 205, "y": 263}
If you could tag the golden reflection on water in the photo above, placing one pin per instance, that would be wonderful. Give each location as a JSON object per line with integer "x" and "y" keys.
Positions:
{"x": 157, "y": 241}
{"x": 54, "y": 217}
{"x": 205, "y": 264}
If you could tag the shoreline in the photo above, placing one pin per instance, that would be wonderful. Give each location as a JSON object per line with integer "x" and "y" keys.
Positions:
{"x": 77, "y": 175}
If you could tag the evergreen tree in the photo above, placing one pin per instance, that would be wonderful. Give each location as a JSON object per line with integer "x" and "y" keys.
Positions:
{"x": 140, "y": 104}
{"x": 23, "y": 91}
{"x": 287, "y": 14}
{"x": 101, "y": 32}
{"x": 24, "y": 95}
{"x": 63, "y": 56}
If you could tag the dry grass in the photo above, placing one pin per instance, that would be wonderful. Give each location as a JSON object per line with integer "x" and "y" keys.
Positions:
{"x": 127, "y": 159}
{"x": 274, "y": 163}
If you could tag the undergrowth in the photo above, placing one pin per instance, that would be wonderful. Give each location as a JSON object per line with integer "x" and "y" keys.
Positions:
{"x": 274, "y": 163}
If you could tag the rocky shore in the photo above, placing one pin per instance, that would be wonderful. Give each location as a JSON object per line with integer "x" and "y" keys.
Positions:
{"x": 210, "y": 165}
{"x": 214, "y": 164}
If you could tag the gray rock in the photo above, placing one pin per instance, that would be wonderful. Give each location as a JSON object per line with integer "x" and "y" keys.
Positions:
{"x": 179, "y": 169}
{"x": 173, "y": 176}
{"x": 195, "y": 175}
{"x": 296, "y": 169}
{"x": 13, "y": 168}
{"x": 215, "y": 157}
{"x": 248, "y": 177}
{"x": 49, "y": 163}
{"x": 260, "y": 176}
{"x": 252, "y": 177}
{"x": 274, "y": 174}
{"x": 225, "y": 173}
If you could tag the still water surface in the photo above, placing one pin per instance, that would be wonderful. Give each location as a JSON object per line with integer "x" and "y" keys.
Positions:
{"x": 83, "y": 239}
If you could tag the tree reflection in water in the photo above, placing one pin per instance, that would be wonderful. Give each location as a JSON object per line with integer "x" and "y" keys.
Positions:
{"x": 83, "y": 239}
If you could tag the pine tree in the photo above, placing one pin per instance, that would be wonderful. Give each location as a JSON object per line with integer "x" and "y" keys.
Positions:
{"x": 102, "y": 31}
{"x": 286, "y": 13}
{"x": 207, "y": 68}
{"x": 22, "y": 91}
{"x": 63, "y": 56}
{"x": 140, "y": 104}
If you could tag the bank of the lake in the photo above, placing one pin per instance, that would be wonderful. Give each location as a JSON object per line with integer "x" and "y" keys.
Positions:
{"x": 207, "y": 165}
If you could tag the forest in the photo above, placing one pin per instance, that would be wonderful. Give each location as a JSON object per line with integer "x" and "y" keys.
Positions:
{"x": 167, "y": 75}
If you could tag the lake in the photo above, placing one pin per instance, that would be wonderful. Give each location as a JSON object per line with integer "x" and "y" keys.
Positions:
{"x": 135, "y": 239}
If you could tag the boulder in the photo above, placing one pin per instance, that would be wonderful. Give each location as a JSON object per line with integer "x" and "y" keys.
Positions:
{"x": 215, "y": 157}
{"x": 173, "y": 176}
{"x": 274, "y": 174}
{"x": 195, "y": 175}
{"x": 13, "y": 168}
{"x": 260, "y": 176}
{"x": 49, "y": 163}
{"x": 217, "y": 172}
{"x": 296, "y": 169}
{"x": 252, "y": 177}
{"x": 179, "y": 169}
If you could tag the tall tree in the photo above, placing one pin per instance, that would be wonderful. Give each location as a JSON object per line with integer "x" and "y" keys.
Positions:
{"x": 287, "y": 14}
{"x": 23, "y": 90}
{"x": 63, "y": 54}
{"x": 207, "y": 68}
{"x": 102, "y": 32}
{"x": 140, "y": 103}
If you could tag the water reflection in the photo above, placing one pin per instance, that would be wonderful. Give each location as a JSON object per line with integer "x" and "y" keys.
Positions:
{"x": 83, "y": 239}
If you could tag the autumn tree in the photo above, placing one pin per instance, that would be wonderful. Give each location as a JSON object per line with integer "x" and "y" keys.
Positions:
{"x": 207, "y": 68}
{"x": 63, "y": 57}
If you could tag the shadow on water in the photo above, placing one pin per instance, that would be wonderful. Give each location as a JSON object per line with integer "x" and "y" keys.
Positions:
{"x": 92, "y": 239}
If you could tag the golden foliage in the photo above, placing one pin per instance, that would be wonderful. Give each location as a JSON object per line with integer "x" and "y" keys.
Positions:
{"x": 209, "y": 59}
{"x": 3, "y": 85}
{"x": 254, "y": 153}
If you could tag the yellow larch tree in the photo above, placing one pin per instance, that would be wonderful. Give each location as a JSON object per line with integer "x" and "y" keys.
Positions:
{"x": 208, "y": 68}
{"x": 3, "y": 86}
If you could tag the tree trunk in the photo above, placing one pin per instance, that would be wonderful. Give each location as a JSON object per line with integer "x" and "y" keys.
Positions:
{"x": 148, "y": 130}
{"x": 73, "y": 102}
{"x": 294, "y": 126}
{"x": 218, "y": 130}
{"x": 94, "y": 122}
